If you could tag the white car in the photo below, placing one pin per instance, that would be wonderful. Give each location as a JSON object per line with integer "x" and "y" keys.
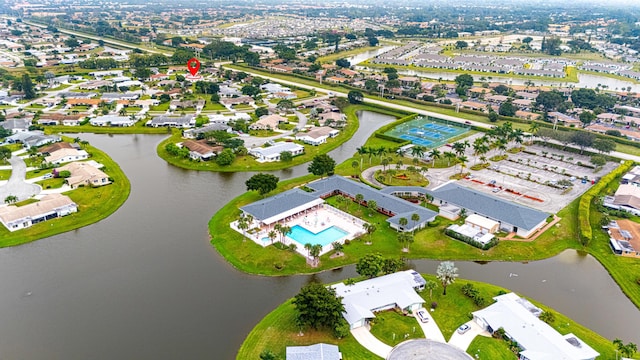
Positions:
{"x": 422, "y": 315}
{"x": 463, "y": 329}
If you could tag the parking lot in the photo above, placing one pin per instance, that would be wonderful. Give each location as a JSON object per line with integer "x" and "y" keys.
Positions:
{"x": 522, "y": 178}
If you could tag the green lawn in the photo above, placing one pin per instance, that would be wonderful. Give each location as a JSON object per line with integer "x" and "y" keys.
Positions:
{"x": 490, "y": 349}
{"x": 391, "y": 327}
{"x": 400, "y": 178}
{"x": 161, "y": 107}
{"x": 94, "y": 204}
{"x": 5, "y": 174}
{"x": 278, "y": 330}
{"x": 26, "y": 202}
{"x": 248, "y": 163}
{"x": 53, "y": 183}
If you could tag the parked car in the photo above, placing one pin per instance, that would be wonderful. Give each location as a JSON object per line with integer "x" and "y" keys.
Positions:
{"x": 467, "y": 122}
{"x": 422, "y": 315}
{"x": 47, "y": 176}
{"x": 463, "y": 329}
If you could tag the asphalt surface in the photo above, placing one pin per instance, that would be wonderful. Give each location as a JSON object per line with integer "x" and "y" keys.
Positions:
{"x": 16, "y": 185}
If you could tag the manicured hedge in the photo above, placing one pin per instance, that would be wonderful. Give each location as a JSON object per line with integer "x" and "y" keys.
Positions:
{"x": 584, "y": 206}
{"x": 470, "y": 241}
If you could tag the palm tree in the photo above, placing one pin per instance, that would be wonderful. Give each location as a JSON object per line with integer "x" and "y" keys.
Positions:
{"x": 430, "y": 285}
{"x": 11, "y": 199}
{"x": 354, "y": 165}
{"x": 384, "y": 164}
{"x": 382, "y": 151}
{"x": 463, "y": 161}
{"x": 337, "y": 246}
{"x": 417, "y": 151}
{"x": 458, "y": 148}
{"x": 122, "y": 112}
{"x": 272, "y": 235}
{"x": 533, "y": 128}
{"x": 340, "y": 200}
{"x": 447, "y": 273}
{"x": 359, "y": 198}
{"x": 362, "y": 151}
{"x": 315, "y": 253}
{"x": 434, "y": 154}
{"x": 370, "y": 229}
{"x": 372, "y": 205}
{"x": 449, "y": 155}
{"x": 399, "y": 164}
{"x": 415, "y": 218}
{"x": 243, "y": 225}
{"x": 403, "y": 222}
{"x": 405, "y": 239}
{"x": 308, "y": 247}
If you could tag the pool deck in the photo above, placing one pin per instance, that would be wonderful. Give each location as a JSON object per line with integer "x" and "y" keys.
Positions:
{"x": 313, "y": 220}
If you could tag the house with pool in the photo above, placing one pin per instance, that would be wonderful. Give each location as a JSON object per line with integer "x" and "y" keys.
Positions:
{"x": 315, "y": 222}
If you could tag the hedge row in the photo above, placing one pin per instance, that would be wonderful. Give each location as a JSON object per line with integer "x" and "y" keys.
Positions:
{"x": 470, "y": 241}
{"x": 584, "y": 207}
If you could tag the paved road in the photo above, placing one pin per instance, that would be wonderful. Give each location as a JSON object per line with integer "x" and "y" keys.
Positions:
{"x": 409, "y": 109}
{"x": 106, "y": 40}
{"x": 16, "y": 185}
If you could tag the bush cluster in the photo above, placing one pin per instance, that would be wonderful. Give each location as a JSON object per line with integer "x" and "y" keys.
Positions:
{"x": 471, "y": 292}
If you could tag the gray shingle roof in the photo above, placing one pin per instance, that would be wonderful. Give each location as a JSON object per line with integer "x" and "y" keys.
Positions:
{"x": 490, "y": 206}
{"x": 278, "y": 204}
{"x": 401, "y": 208}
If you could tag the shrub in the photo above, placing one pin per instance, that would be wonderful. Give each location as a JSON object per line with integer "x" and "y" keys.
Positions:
{"x": 341, "y": 330}
{"x": 434, "y": 305}
{"x": 548, "y": 317}
{"x": 433, "y": 223}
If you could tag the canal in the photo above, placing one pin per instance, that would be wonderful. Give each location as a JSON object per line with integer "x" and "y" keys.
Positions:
{"x": 146, "y": 283}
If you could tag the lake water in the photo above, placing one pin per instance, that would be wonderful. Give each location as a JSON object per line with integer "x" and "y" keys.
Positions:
{"x": 146, "y": 283}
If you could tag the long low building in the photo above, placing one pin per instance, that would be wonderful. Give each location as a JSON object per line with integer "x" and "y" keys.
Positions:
{"x": 49, "y": 207}
{"x": 272, "y": 153}
{"x": 512, "y": 217}
{"x": 536, "y": 339}
{"x": 387, "y": 204}
{"x": 363, "y": 299}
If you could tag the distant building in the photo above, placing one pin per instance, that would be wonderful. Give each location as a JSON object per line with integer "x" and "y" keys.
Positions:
{"x": 84, "y": 174}
{"x": 186, "y": 121}
{"x": 272, "y": 153}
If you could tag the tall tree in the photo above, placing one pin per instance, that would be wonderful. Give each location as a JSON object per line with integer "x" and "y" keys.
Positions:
{"x": 322, "y": 165}
{"x": 415, "y": 218}
{"x": 369, "y": 265}
{"x": 318, "y": 306}
{"x": 27, "y": 87}
{"x": 355, "y": 97}
{"x": 447, "y": 273}
{"x": 262, "y": 182}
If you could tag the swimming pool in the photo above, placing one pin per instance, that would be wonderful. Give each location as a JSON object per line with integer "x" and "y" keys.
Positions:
{"x": 324, "y": 237}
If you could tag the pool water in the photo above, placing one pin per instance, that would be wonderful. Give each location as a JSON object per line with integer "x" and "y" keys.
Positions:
{"x": 324, "y": 237}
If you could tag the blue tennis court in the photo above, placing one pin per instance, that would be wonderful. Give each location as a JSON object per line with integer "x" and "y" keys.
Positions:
{"x": 427, "y": 131}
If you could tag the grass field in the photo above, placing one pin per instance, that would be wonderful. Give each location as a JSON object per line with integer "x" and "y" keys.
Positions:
{"x": 278, "y": 330}
{"x": 94, "y": 204}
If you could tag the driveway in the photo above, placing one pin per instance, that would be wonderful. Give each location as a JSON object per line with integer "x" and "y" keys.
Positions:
{"x": 370, "y": 342}
{"x": 430, "y": 328}
{"x": 463, "y": 341}
{"x": 16, "y": 185}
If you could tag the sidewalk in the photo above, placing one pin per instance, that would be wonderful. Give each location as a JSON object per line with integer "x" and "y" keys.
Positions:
{"x": 370, "y": 342}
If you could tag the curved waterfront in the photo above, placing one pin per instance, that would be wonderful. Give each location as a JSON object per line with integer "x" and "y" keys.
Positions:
{"x": 146, "y": 283}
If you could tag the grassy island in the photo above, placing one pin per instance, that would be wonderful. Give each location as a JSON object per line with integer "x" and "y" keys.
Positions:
{"x": 94, "y": 204}
{"x": 278, "y": 330}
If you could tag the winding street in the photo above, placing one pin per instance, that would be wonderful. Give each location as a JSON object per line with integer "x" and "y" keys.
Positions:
{"x": 16, "y": 185}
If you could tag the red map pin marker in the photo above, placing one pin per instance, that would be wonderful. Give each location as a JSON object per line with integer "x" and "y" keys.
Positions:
{"x": 193, "y": 65}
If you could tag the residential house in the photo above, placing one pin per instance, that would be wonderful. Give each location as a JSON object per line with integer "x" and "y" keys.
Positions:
{"x": 196, "y": 104}
{"x": 319, "y": 351}
{"x": 16, "y": 125}
{"x": 537, "y": 340}
{"x": 268, "y": 122}
{"x": 317, "y": 135}
{"x": 84, "y": 174}
{"x": 331, "y": 118}
{"x": 272, "y": 153}
{"x": 200, "y": 150}
{"x": 51, "y": 206}
{"x": 193, "y": 133}
{"x": 112, "y": 120}
{"x": 64, "y": 155}
{"x": 394, "y": 291}
{"x": 186, "y": 121}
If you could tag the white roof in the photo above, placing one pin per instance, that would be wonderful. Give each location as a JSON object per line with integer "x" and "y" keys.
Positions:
{"x": 277, "y": 149}
{"x": 363, "y": 298}
{"x": 481, "y": 221}
{"x": 539, "y": 340}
